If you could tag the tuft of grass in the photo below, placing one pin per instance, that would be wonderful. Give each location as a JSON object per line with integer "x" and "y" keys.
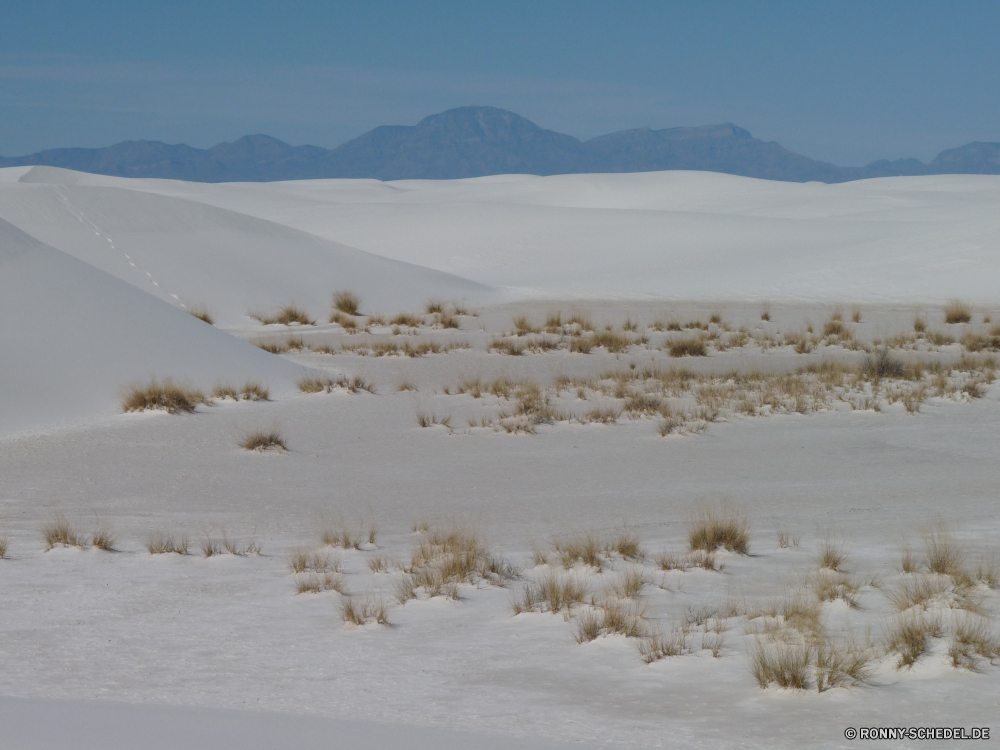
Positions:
{"x": 164, "y": 542}
{"x": 103, "y": 538}
{"x": 409, "y": 320}
{"x": 426, "y": 419}
{"x": 943, "y": 555}
{"x": 830, "y": 585}
{"x": 881, "y": 365}
{"x": 434, "y": 306}
{"x": 919, "y": 325}
{"x": 552, "y": 593}
{"x": 315, "y": 583}
{"x": 346, "y": 302}
{"x": 909, "y": 635}
{"x": 378, "y": 564}
{"x": 252, "y": 390}
{"x": 831, "y": 555}
{"x": 339, "y": 536}
{"x": 262, "y": 440}
{"x": 723, "y": 527}
{"x": 972, "y": 637}
{"x": 917, "y": 592}
{"x": 630, "y": 584}
{"x": 842, "y": 664}
{"x": 406, "y": 385}
{"x": 210, "y": 547}
{"x": 201, "y": 313}
{"x": 4, "y": 544}
{"x": 241, "y": 549}
{"x": 856, "y": 315}
{"x": 783, "y": 664}
{"x": 325, "y": 384}
{"x": 586, "y": 549}
{"x": 907, "y": 563}
{"x": 286, "y": 315}
{"x": 355, "y": 612}
{"x": 689, "y": 347}
{"x": 957, "y": 311}
{"x": 627, "y": 544}
{"x": 787, "y": 539}
{"x": 58, "y": 532}
{"x": 660, "y": 645}
{"x": 166, "y": 395}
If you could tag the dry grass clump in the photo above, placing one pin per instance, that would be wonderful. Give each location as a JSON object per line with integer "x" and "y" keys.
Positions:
{"x": 201, "y": 313}
{"x": 627, "y": 544}
{"x": 355, "y": 612}
{"x": 409, "y": 320}
{"x": 612, "y": 618}
{"x": 943, "y": 555}
{"x": 830, "y": 585}
{"x": 919, "y": 325}
{"x": 210, "y": 546}
{"x": 909, "y": 635}
{"x": 660, "y": 645}
{"x": 918, "y": 591}
{"x": 241, "y": 549}
{"x": 690, "y": 347}
{"x": 786, "y": 665}
{"x": 552, "y": 593}
{"x": 434, "y": 306}
{"x": 831, "y": 555}
{"x": 103, "y": 538}
{"x": 842, "y": 664}
{"x": 957, "y": 311}
{"x": 379, "y": 564}
{"x": 881, "y": 365}
{"x": 615, "y": 343}
{"x": 695, "y": 559}
{"x": 58, "y": 532}
{"x": 315, "y": 583}
{"x": 452, "y": 556}
{"x": 164, "y": 542}
{"x": 251, "y": 391}
{"x": 346, "y": 302}
{"x": 4, "y": 543}
{"x": 287, "y": 315}
{"x": 786, "y": 539}
{"x": 629, "y": 584}
{"x": 723, "y": 527}
{"x": 585, "y": 549}
{"x": 166, "y": 395}
{"x": 339, "y": 535}
{"x": 263, "y": 440}
{"x": 972, "y": 637}
{"x": 427, "y": 419}
{"x": 326, "y": 384}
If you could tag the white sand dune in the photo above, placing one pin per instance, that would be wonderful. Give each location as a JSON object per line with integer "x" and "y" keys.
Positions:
{"x": 185, "y": 252}
{"x": 72, "y": 335}
{"x": 690, "y": 235}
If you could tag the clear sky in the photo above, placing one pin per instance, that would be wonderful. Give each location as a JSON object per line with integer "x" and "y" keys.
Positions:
{"x": 844, "y": 81}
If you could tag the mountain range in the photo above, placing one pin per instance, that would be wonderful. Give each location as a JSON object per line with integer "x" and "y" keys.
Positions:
{"x": 479, "y": 141}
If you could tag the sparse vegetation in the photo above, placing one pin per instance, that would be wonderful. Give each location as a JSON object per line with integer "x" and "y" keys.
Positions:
{"x": 957, "y": 311}
{"x": 250, "y": 391}
{"x": 690, "y": 347}
{"x": 263, "y": 440}
{"x": 326, "y": 384}
{"x": 346, "y": 302}
{"x": 57, "y": 532}
{"x": 166, "y": 395}
{"x": 364, "y": 611}
{"x": 722, "y": 527}
{"x": 201, "y": 313}
{"x": 287, "y": 315}
{"x": 909, "y": 635}
{"x": 162, "y": 542}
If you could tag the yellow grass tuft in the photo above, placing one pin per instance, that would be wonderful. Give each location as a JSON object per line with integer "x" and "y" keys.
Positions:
{"x": 909, "y": 635}
{"x": 957, "y": 311}
{"x": 552, "y": 593}
{"x": 163, "y": 542}
{"x": 355, "y": 612}
{"x": 783, "y": 664}
{"x": 166, "y": 395}
{"x": 586, "y": 549}
{"x": 973, "y": 637}
{"x": 58, "y": 532}
{"x": 103, "y": 538}
{"x": 346, "y": 302}
{"x": 831, "y": 555}
{"x": 263, "y": 440}
{"x": 4, "y": 545}
{"x": 661, "y": 645}
{"x": 251, "y": 390}
{"x": 723, "y": 527}
{"x": 287, "y": 315}
{"x": 689, "y": 347}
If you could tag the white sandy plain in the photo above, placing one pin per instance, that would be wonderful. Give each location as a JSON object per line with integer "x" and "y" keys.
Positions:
{"x": 127, "y": 649}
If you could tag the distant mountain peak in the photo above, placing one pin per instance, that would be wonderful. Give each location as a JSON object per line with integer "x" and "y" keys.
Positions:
{"x": 475, "y": 141}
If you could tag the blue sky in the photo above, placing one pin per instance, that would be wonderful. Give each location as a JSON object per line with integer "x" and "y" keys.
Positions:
{"x": 847, "y": 81}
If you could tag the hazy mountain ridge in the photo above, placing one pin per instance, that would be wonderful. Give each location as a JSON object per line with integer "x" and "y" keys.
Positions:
{"x": 480, "y": 141}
